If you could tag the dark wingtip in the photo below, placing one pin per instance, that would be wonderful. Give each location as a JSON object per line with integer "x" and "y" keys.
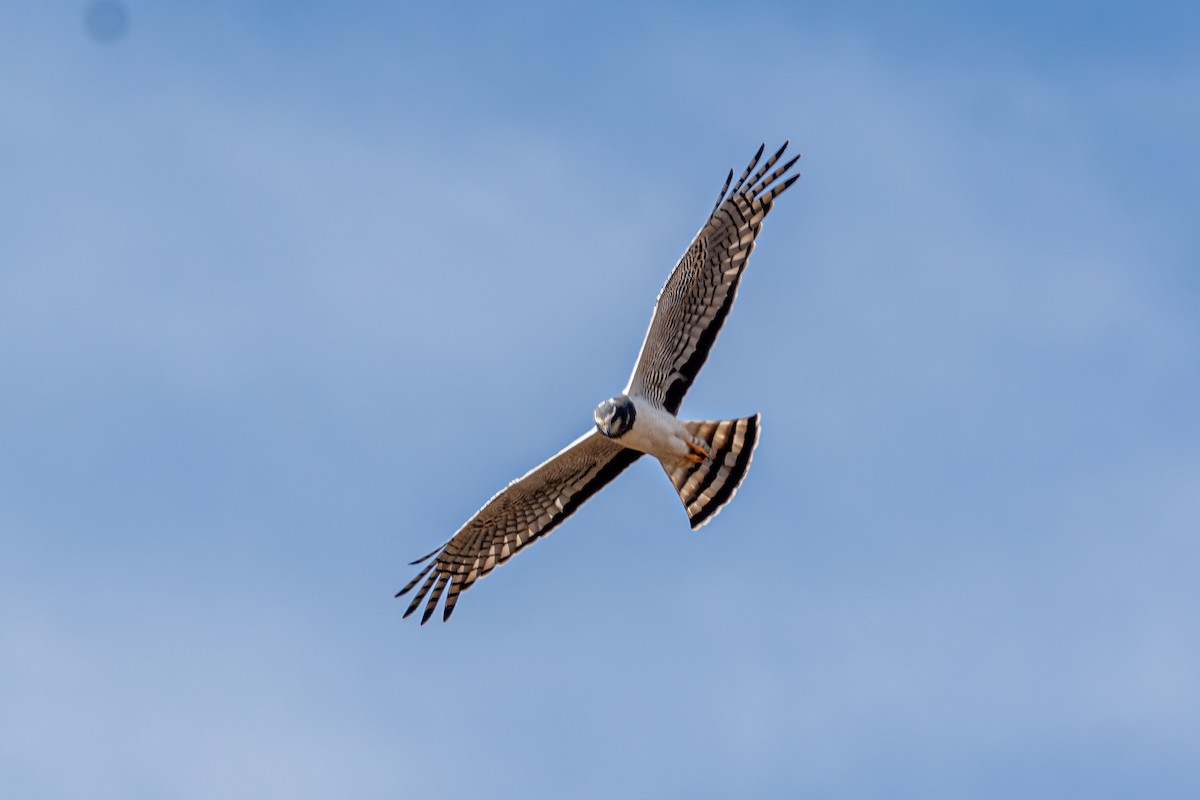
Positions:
{"x": 724, "y": 189}
{"x": 427, "y": 556}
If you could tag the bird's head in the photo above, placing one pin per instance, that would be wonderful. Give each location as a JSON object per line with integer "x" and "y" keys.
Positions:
{"x": 614, "y": 417}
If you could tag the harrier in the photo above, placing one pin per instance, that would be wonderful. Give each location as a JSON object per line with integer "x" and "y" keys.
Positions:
{"x": 706, "y": 461}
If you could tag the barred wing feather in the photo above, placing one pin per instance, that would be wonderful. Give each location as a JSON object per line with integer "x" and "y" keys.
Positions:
{"x": 521, "y": 513}
{"x": 697, "y": 297}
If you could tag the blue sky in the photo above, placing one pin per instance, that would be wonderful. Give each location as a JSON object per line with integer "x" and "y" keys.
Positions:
{"x": 276, "y": 282}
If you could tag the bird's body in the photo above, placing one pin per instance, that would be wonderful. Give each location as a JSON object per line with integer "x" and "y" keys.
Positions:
{"x": 705, "y": 460}
{"x": 654, "y": 430}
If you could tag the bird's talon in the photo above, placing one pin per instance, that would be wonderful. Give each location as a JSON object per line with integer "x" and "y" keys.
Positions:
{"x": 698, "y": 455}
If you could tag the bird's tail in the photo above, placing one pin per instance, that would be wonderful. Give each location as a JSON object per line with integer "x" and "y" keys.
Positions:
{"x": 706, "y": 486}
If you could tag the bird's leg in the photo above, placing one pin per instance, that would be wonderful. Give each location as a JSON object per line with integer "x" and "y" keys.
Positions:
{"x": 698, "y": 455}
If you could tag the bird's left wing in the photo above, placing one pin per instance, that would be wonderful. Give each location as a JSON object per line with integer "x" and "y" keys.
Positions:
{"x": 693, "y": 304}
{"x": 528, "y": 508}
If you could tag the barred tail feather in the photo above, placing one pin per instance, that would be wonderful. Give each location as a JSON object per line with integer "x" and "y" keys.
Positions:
{"x": 705, "y": 487}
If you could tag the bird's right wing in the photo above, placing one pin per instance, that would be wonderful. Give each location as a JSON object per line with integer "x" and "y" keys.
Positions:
{"x": 528, "y": 508}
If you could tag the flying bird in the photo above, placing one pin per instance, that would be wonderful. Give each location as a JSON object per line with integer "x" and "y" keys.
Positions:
{"x": 705, "y": 460}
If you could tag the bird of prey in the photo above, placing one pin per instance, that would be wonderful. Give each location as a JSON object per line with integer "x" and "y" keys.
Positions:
{"x": 705, "y": 461}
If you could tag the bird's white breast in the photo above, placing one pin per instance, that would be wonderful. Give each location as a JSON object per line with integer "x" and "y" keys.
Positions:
{"x": 655, "y": 431}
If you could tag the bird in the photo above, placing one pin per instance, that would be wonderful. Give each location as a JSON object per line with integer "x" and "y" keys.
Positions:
{"x": 705, "y": 460}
